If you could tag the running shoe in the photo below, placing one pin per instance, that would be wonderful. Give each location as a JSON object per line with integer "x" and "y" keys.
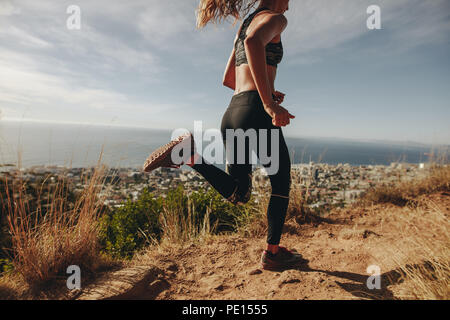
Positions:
{"x": 162, "y": 157}
{"x": 284, "y": 258}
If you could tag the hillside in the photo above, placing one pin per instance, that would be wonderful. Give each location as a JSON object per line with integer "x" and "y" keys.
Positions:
{"x": 339, "y": 251}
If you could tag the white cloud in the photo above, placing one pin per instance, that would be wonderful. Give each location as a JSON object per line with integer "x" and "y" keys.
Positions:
{"x": 43, "y": 26}
{"x": 7, "y": 9}
{"x": 162, "y": 22}
{"x": 22, "y": 84}
{"x": 323, "y": 24}
{"x": 14, "y": 34}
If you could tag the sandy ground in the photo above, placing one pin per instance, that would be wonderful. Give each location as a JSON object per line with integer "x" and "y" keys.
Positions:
{"x": 339, "y": 252}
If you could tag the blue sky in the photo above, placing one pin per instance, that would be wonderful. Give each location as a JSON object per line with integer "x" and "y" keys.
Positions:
{"x": 143, "y": 63}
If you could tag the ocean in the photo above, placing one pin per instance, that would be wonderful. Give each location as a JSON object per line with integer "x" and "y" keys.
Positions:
{"x": 80, "y": 145}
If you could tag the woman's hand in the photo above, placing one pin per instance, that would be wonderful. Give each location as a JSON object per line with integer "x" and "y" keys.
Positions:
{"x": 280, "y": 116}
{"x": 278, "y": 97}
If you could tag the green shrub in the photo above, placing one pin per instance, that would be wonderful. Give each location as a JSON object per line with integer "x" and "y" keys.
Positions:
{"x": 6, "y": 265}
{"x": 137, "y": 223}
{"x": 130, "y": 227}
{"x": 223, "y": 214}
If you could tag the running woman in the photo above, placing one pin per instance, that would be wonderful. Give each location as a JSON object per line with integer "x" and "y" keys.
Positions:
{"x": 250, "y": 72}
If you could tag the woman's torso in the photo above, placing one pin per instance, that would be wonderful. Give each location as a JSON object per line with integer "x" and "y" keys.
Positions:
{"x": 244, "y": 78}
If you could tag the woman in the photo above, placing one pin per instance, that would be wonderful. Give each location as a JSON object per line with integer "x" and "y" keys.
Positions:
{"x": 250, "y": 72}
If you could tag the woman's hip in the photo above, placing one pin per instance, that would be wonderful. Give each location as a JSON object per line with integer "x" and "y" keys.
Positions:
{"x": 246, "y": 111}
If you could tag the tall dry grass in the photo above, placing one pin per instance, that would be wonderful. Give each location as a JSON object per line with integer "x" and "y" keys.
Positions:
{"x": 44, "y": 245}
{"x": 438, "y": 179}
{"x": 422, "y": 253}
{"x": 179, "y": 228}
{"x": 298, "y": 211}
{"x": 423, "y": 257}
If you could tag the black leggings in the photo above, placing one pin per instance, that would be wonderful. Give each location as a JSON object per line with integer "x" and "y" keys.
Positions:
{"x": 245, "y": 112}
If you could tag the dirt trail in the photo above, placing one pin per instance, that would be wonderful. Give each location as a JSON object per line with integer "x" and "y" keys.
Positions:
{"x": 338, "y": 251}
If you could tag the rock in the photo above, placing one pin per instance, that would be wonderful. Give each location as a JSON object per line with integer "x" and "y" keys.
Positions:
{"x": 172, "y": 267}
{"x": 220, "y": 287}
{"x": 368, "y": 233}
{"x": 255, "y": 272}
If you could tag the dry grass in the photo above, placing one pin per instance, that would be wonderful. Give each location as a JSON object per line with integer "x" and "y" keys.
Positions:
{"x": 298, "y": 213}
{"x": 179, "y": 228}
{"x": 422, "y": 253}
{"x": 44, "y": 245}
{"x": 423, "y": 257}
{"x": 406, "y": 192}
{"x": 255, "y": 225}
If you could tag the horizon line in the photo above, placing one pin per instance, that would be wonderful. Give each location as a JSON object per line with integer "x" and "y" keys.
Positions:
{"x": 12, "y": 119}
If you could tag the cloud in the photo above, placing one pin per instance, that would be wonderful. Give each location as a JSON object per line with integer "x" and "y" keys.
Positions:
{"x": 162, "y": 22}
{"x": 322, "y": 24}
{"x": 46, "y": 67}
{"x": 7, "y": 9}
{"x": 29, "y": 86}
{"x": 22, "y": 38}
{"x": 94, "y": 47}
{"x": 23, "y": 87}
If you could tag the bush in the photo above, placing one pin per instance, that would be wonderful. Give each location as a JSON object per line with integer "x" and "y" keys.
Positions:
{"x": 223, "y": 214}
{"x": 176, "y": 217}
{"x": 131, "y": 226}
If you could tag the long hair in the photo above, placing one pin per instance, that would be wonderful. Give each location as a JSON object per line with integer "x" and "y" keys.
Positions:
{"x": 216, "y": 10}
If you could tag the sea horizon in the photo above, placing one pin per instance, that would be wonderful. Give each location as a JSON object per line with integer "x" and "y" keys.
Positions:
{"x": 41, "y": 143}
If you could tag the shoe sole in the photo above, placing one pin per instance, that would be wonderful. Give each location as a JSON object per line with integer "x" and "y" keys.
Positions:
{"x": 158, "y": 158}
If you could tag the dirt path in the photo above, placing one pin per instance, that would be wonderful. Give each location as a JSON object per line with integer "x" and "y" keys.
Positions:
{"x": 339, "y": 253}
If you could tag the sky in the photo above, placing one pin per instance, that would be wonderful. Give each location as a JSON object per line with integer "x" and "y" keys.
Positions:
{"x": 143, "y": 63}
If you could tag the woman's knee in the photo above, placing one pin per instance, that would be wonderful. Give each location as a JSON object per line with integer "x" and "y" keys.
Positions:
{"x": 242, "y": 191}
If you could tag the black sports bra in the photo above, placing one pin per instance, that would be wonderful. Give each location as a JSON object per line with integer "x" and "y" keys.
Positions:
{"x": 274, "y": 51}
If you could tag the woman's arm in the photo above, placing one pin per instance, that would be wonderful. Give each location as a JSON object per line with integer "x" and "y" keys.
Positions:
{"x": 229, "y": 77}
{"x": 255, "y": 44}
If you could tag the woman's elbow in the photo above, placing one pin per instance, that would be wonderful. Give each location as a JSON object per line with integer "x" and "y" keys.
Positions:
{"x": 228, "y": 84}
{"x": 229, "y": 81}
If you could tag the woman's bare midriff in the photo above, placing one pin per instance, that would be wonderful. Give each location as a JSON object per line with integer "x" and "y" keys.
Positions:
{"x": 244, "y": 78}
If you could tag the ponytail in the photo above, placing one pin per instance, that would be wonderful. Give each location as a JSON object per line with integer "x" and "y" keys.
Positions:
{"x": 216, "y": 10}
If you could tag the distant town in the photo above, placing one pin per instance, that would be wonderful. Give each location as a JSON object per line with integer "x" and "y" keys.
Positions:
{"x": 323, "y": 184}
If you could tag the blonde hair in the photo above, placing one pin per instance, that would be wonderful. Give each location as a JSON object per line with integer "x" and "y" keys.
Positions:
{"x": 216, "y": 10}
